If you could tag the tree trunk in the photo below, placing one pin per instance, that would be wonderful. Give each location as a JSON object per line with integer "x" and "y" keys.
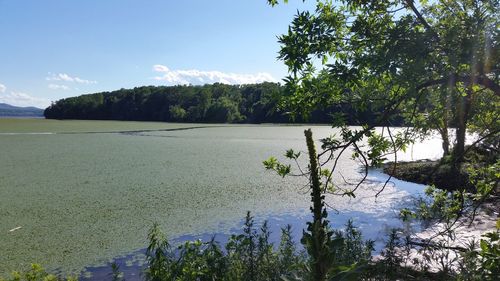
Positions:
{"x": 445, "y": 140}
{"x": 463, "y": 114}
{"x": 445, "y": 136}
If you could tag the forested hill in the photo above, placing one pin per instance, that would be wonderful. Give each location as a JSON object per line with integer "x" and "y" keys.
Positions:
{"x": 217, "y": 103}
{"x": 7, "y": 110}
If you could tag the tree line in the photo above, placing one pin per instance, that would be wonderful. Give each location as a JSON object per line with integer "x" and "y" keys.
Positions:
{"x": 214, "y": 103}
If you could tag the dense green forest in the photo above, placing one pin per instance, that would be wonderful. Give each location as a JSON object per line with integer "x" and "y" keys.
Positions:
{"x": 217, "y": 103}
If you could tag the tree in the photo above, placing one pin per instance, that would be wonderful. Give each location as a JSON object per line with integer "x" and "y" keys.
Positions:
{"x": 403, "y": 56}
{"x": 224, "y": 110}
{"x": 177, "y": 113}
{"x": 434, "y": 62}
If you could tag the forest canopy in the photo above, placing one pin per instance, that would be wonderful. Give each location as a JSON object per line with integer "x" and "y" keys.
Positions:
{"x": 216, "y": 103}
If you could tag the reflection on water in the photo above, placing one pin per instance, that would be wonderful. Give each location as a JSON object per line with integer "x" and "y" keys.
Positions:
{"x": 373, "y": 225}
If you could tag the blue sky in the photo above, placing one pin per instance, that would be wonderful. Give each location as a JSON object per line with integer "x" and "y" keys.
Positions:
{"x": 51, "y": 49}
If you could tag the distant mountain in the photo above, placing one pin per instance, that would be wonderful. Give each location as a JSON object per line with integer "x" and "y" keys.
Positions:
{"x": 7, "y": 110}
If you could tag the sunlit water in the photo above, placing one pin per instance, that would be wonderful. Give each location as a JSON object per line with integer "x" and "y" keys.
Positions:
{"x": 374, "y": 225}
{"x": 83, "y": 199}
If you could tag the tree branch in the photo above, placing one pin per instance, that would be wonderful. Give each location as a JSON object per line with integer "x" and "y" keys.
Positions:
{"x": 429, "y": 244}
{"x": 480, "y": 80}
{"x": 411, "y": 5}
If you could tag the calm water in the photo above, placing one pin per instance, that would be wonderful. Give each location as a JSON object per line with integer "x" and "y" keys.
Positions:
{"x": 82, "y": 199}
{"x": 374, "y": 226}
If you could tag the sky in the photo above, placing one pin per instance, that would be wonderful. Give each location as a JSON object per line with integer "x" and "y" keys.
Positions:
{"x": 52, "y": 49}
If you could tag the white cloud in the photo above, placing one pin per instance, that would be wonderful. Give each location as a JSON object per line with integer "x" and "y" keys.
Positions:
{"x": 193, "y": 76}
{"x": 160, "y": 68}
{"x": 67, "y": 78}
{"x": 58, "y": 87}
{"x": 23, "y": 99}
{"x": 2, "y": 88}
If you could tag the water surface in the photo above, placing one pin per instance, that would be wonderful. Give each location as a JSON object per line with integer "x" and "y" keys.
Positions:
{"x": 86, "y": 192}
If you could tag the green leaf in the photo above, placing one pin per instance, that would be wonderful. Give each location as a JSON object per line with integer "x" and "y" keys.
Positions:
{"x": 484, "y": 245}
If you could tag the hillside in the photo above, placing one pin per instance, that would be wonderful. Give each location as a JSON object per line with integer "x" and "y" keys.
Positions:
{"x": 7, "y": 110}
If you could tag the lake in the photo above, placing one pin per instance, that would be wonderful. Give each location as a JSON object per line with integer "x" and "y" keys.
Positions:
{"x": 79, "y": 193}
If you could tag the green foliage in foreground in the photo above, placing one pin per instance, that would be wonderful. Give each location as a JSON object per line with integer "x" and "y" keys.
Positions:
{"x": 251, "y": 256}
{"x": 36, "y": 273}
{"x": 434, "y": 62}
{"x": 247, "y": 256}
